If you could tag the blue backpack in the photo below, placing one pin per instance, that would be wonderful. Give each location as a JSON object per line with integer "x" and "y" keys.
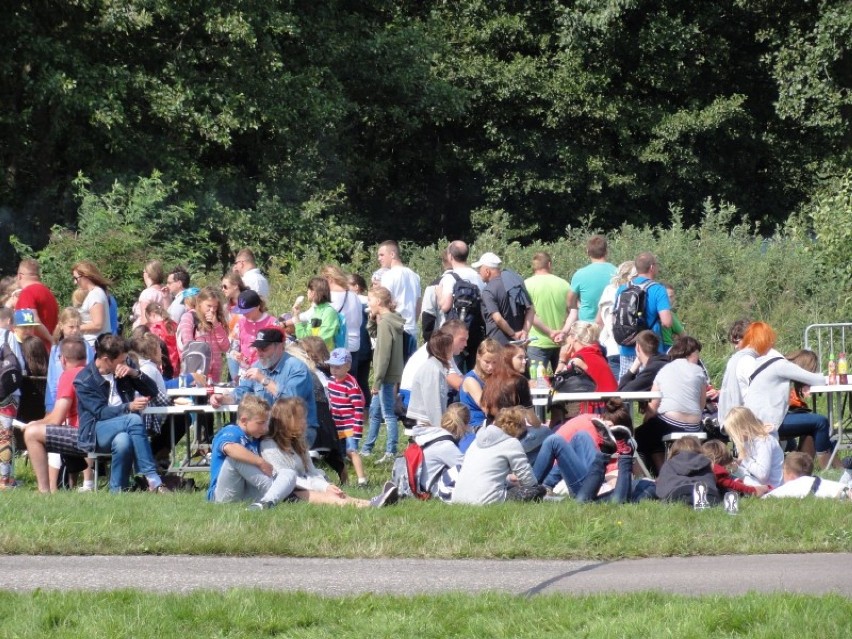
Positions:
{"x": 341, "y": 337}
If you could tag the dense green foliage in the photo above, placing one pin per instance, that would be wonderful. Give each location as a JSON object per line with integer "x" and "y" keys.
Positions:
{"x": 290, "y": 126}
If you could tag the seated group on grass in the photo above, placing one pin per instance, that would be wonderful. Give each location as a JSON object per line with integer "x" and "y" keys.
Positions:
{"x": 488, "y": 448}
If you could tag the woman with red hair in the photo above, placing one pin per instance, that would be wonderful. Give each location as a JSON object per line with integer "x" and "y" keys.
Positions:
{"x": 756, "y": 341}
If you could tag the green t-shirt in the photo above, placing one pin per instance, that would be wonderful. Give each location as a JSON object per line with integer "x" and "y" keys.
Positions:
{"x": 549, "y": 295}
{"x": 588, "y": 283}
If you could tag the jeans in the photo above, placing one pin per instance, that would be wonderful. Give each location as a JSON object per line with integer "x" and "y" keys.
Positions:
{"x": 239, "y": 481}
{"x": 378, "y": 409}
{"x": 409, "y": 345}
{"x": 614, "y": 362}
{"x": 125, "y": 437}
{"x": 546, "y": 355}
{"x": 574, "y": 459}
{"x": 798, "y": 424}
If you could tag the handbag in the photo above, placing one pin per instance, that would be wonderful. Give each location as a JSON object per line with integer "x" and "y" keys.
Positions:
{"x": 573, "y": 380}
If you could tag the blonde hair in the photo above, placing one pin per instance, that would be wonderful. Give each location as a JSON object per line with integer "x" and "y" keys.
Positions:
{"x": 383, "y": 296}
{"x": 456, "y": 419}
{"x": 208, "y": 293}
{"x": 334, "y": 273}
{"x": 68, "y": 314}
{"x": 688, "y": 444}
{"x": 78, "y": 297}
{"x": 252, "y": 407}
{"x": 626, "y": 271}
{"x": 585, "y": 332}
{"x": 743, "y": 426}
{"x": 154, "y": 271}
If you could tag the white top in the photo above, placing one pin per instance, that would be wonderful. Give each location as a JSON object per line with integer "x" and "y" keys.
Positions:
{"x": 114, "y": 397}
{"x": 417, "y": 359}
{"x": 255, "y": 280}
{"x": 308, "y": 478}
{"x": 801, "y": 487}
{"x": 763, "y": 462}
{"x": 605, "y": 306}
{"x": 466, "y": 273}
{"x": 150, "y": 369}
{"x": 347, "y": 303}
{"x": 95, "y": 296}
{"x": 404, "y": 285}
{"x": 682, "y": 384}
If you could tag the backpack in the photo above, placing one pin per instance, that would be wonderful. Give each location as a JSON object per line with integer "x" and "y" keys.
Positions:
{"x": 408, "y": 470}
{"x": 628, "y": 314}
{"x": 467, "y": 302}
{"x": 196, "y": 358}
{"x": 11, "y": 374}
{"x": 340, "y": 337}
{"x": 516, "y": 292}
{"x": 114, "y": 317}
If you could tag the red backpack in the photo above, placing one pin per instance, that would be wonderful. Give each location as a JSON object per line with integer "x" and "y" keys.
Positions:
{"x": 408, "y": 469}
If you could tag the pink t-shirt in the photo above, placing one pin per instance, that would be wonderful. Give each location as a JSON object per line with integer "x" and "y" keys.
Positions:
{"x": 246, "y": 332}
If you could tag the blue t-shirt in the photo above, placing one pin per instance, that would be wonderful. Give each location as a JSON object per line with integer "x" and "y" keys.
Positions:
{"x": 656, "y": 300}
{"x": 231, "y": 434}
{"x": 588, "y": 283}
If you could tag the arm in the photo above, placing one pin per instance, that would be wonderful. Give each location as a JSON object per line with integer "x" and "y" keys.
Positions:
{"x": 726, "y": 482}
{"x": 501, "y": 323}
{"x": 186, "y": 329}
{"x": 757, "y": 460}
{"x": 529, "y": 316}
{"x": 219, "y": 335}
{"x": 521, "y": 468}
{"x": 666, "y": 318}
{"x": 240, "y": 453}
{"x": 472, "y": 388}
{"x": 444, "y": 295}
{"x": 382, "y": 353}
{"x": 97, "y": 312}
{"x": 55, "y": 417}
{"x": 654, "y": 404}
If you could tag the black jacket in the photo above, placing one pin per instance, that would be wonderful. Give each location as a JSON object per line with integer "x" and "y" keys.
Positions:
{"x": 680, "y": 473}
{"x": 644, "y": 379}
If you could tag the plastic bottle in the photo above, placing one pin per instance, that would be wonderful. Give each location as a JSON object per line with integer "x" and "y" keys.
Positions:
{"x": 842, "y": 370}
{"x": 542, "y": 381}
{"x": 832, "y": 370}
{"x": 533, "y": 375}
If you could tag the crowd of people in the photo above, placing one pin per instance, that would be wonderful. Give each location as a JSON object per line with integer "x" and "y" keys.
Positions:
{"x": 344, "y": 359}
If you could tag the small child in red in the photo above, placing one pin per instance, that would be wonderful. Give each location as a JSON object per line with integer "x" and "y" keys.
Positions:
{"x": 722, "y": 459}
{"x": 346, "y": 402}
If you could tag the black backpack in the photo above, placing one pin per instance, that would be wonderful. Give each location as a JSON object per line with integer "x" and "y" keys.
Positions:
{"x": 11, "y": 374}
{"x": 516, "y": 292}
{"x": 628, "y": 314}
{"x": 467, "y": 302}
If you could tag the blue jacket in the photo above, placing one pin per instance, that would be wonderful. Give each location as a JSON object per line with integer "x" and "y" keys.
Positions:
{"x": 93, "y": 400}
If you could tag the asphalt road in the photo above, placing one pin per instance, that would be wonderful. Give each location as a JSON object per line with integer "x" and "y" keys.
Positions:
{"x": 726, "y": 575}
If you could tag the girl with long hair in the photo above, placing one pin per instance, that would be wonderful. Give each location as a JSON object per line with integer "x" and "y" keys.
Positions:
{"x": 206, "y": 323}
{"x": 94, "y": 310}
{"x": 758, "y": 453}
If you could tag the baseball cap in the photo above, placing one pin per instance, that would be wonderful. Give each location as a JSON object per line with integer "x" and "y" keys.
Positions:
{"x": 339, "y": 357}
{"x": 191, "y": 292}
{"x": 488, "y": 259}
{"x": 26, "y": 317}
{"x": 267, "y": 336}
{"x": 246, "y": 302}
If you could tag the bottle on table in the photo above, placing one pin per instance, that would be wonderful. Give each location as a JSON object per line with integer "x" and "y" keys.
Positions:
{"x": 534, "y": 374}
{"x": 832, "y": 370}
{"x": 842, "y": 370}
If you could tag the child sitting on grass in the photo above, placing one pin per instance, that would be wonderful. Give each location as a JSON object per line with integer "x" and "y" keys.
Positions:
{"x": 800, "y": 482}
{"x": 237, "y": 471}
{"x": 347, "y": 408}
{"x": 287, "y": 451}
{"x": 759, "y": 455}
{"x": 722, "y": 460}
{"x": 686, "y": 467}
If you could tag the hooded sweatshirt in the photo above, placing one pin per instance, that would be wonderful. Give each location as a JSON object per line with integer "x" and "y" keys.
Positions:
{"x": 488, "y": 462}
{"x": 428, "y": 399}
{"x": 437, "y": 455}
{"x": 679, "y": 475}
{"x": 387, "y": 354}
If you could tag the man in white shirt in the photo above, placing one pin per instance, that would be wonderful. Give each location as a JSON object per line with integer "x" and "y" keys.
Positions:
{"x": 245, "y": 266}
{"x": 177, "y": 282}
{"x": 457, "y": 253}
{"x": 404, "y": 286}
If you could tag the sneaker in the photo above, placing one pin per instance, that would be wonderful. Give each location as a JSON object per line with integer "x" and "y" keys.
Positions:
{"x": 699, "y": 496}
{"x": 162, "y": 489}
{"x": 260, "y": 505}
{"x": 363, "y": 482}
{"x": 624, "y": 442}
{"x": 732, "y": 503}
{"x": 388, "y": 496}
{"x": 86, "y": 489}
{"x": 387, "y": 458}
{"x": 366, "y": 453}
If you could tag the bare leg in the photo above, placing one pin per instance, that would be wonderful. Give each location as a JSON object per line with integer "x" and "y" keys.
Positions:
{"x": 357, "y": 464}
{"x": 329, "y": 499}
{"x": 34, "y": 438}
{"x": 807, "y": 445}
{"x": 822, "y": 459}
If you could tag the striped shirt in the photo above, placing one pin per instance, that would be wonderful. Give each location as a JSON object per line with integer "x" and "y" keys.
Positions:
{"x": 347, "y": 406}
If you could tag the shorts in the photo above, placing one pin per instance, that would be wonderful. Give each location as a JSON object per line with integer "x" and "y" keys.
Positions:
{"x": 62, "y": 439}
{"x": 349, "y": 445}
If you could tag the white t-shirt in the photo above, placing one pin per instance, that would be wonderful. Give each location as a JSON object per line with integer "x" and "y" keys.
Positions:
{"x": 255, "y": 280}
{"x": 114, "y": 397}
{"x": 404, "y": 285}
{"x": 606, "y": 303}
{"x": 347, "y": 302}
{"x": 801, "y": 487}
{"x": 417, "y": 359}
{"x": 95, "y": 296}
{"x": 466, "y": 273}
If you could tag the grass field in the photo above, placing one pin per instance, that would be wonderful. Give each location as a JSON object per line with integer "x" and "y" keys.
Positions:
{"x": 240, "y": 613}
{"x": 184, "y": 523}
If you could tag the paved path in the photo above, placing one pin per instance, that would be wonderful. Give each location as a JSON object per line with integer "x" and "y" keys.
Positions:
{"x": 727, "y": 575}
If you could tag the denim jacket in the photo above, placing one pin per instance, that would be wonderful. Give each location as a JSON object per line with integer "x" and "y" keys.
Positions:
{"x": 93, "y": 400}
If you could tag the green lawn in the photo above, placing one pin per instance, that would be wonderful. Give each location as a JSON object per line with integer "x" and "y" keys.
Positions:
{"x": 252, "y": 614}
{"x": 134, "y": 523}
